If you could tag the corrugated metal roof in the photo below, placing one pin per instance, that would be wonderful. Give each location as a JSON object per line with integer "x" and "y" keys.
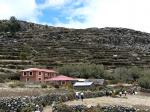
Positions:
{"x": 96, "y": 81}
{"x": 83, "y": 83}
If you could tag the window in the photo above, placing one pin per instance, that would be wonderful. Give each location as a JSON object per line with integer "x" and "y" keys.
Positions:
{"x": 39, "y": 79}
{"x": 30, "y": 73}
{"x": 39, "y": 73}
{"x": 24, "y": 73}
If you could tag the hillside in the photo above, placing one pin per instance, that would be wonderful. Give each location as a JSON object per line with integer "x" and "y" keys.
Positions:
{"x": 46, "y": 46}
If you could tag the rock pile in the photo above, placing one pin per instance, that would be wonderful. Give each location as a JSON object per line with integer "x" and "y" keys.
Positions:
{"x": 83, "y": 108}
{"x": 19, "y": 103}
{"x": 118, "y": 109}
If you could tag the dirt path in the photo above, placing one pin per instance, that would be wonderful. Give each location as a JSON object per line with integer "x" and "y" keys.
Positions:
{"x": 131, "y": 100}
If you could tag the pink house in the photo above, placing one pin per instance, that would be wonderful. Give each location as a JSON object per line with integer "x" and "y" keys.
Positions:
{"x": 37, "y": 75}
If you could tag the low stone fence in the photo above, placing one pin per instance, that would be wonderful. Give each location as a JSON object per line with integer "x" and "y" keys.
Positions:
{"x": 83, "y": 108}
{"x": 22, "y": 104}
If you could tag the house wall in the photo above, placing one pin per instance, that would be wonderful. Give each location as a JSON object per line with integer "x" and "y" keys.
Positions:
{"x": 27, "y": 77}
{"x": 37, "y": 76}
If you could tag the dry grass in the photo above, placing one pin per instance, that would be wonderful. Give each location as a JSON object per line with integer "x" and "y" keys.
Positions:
{"x": 131, "y": 100}
{"x": 14, "y": 92}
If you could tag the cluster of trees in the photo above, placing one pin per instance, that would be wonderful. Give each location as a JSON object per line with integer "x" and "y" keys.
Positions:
{"x": 133, "y": 74}
{"x": 121, "y": 74}
{"x": 10, "y": 26}
{"x": 84, "y": 70}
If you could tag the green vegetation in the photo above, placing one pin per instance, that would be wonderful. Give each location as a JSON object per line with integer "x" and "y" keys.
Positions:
{"x": 123, "y": 74}
{"x": 10, "y": 26}
{"x": 144, "y": 81}
{"x": 15, "y": 84}
{"x": 43, "y": 86}
{"x": 106, "y": 53}
{"x": 120, "y": 74}
{"x": 84, "y": 70}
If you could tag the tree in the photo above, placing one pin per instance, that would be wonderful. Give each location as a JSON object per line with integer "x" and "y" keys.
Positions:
{"x": 10, "y": 26}
{"x": 14, "y": 25}
{"x": 144, "y": 82}
{"x": 134, "y": 73}
{"x": 121, "y": 74}
{"x": 84, "y": 70}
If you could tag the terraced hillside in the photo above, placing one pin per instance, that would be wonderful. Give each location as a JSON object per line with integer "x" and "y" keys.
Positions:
{"x": 43, "y": 46}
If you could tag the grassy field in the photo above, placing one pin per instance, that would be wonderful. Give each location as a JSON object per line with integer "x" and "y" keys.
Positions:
{"x": 14, "y": 92}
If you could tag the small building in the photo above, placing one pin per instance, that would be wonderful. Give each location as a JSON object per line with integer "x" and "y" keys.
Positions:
{"x": 83, "y": 85}
{"x": 60, "y": 80}
{"x": 37, "y": 75}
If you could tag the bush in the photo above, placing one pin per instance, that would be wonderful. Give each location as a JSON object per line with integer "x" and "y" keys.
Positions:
{"x": 144, "y": 82}
{"x": 12, "y": 85}
{"x": 16, "y": 84}
{"x": 43, "y": 86}
{"x": 20, "y": 84}
{"x": 12, "y": 25}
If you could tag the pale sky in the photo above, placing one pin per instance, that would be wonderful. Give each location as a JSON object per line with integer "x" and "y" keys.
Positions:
{"x": 133, "y": 14}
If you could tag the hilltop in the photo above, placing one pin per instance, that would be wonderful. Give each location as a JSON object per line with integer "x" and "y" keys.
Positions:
{"x": 36, "y": 45}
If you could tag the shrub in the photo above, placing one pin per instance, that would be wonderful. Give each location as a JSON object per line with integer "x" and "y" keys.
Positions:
{"x": 12, "y": 85}
{"x": 16, "y": 84}
{"x": 144, "y": 82}
{"x": 20, "y": 84}
{"x": 43, "y": 86}
{"x": 134, "y": 73}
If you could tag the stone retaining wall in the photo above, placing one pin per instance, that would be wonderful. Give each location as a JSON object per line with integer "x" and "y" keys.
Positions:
{"x": 83, "y": 108}
{"x": 18, "y": 104}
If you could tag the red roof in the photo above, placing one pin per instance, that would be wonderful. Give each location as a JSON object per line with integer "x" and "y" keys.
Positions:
{"x": 61, "y": 78}
{"x": 37, "y": 69}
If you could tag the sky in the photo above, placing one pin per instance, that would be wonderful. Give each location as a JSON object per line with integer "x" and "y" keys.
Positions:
{"x": 133, "y": 14}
